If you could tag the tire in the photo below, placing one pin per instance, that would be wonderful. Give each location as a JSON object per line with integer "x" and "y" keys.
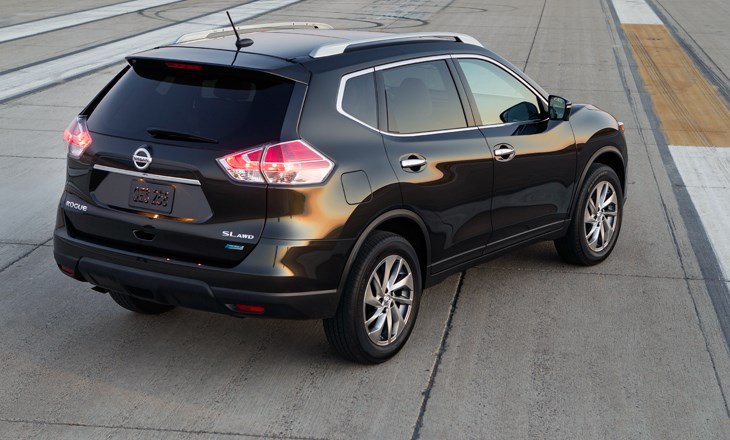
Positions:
{"x": 139, "y": 305}
{"x": 593, "y": 232}
{"x": 387, "y": 314}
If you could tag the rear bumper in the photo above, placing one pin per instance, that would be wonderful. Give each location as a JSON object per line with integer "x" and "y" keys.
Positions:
{"x": 289, "y": 279}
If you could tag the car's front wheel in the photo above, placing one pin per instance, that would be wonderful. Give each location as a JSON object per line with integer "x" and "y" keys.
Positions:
{"x": 596, "y": 222}
{"x": 380, "y": 301}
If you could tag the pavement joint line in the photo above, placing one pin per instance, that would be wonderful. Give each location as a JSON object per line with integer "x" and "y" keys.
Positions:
{"x": 609, "y": 274}
{"x": 31, "y": 157}
{"x": 150, "y": 429}
{"x": 534, "y": 37}
{"x": 34, "y": 77}
{"x": 75, "y": 18}
{"x": 437, "y": 362}
{"x": 671, "y": 170}
{"x": 21, "y": 257}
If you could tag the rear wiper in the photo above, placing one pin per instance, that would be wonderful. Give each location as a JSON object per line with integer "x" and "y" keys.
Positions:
{"x": 159, "y": 133}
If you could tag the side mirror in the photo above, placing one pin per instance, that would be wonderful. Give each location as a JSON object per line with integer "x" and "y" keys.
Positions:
{"x": 559, "y": 108}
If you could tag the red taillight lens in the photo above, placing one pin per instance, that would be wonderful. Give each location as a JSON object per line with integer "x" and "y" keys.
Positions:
{"x": 295, "y": 163}
{"x": 244, "y": 166}
{"x": 287, "y": 163}
{"x": 249, "y": 309}
{"x": 67, "y": 270}
{"x": 77, "y": 137}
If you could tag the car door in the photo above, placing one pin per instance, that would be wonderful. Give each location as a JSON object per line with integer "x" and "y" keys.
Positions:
{"x": 535, "y": 157}
{"x": 442, "y": 162}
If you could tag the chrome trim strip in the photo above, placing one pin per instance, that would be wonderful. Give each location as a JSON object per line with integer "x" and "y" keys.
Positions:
{"x": 343, "y": 81}
{"x": 411, "y": 61}
{"x": 147, "y": 175}
{"x": 345, "y": 78}
{"x": 338, "y": 48}
{"x": 559, "y": 222}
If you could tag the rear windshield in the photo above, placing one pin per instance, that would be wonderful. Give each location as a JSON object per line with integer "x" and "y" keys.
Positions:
{"x": 236, "y": 108}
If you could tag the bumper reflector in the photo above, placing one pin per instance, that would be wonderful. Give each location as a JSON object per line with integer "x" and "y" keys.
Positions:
{"x": 249, "y": 309}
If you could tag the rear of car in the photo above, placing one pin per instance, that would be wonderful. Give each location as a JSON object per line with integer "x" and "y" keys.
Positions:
{"x": 166, "y": 194}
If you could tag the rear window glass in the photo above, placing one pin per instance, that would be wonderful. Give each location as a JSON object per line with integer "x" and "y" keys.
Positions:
{"x": 359, "y": 99}
{"x": 236, "y": 108}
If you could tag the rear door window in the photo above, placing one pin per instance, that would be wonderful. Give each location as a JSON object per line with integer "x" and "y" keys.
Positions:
{"x": 422, "y": 97}
{"x": 236, "y": 108}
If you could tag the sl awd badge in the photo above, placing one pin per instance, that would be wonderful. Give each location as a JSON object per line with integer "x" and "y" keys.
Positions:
{"x": 142, "y": 158}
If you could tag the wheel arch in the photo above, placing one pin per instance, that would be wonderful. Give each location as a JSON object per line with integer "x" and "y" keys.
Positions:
{"x": 607, "y": 155}
{"x": 403, "y": 222}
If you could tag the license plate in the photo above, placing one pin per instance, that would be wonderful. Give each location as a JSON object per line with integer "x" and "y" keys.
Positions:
{"x": 151, "y": 196}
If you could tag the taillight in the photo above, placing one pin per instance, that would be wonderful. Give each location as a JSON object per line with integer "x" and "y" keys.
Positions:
{"x": 287, "y": 163}
{"x": 244, "y": 166}
{"x": 77, "y": 136}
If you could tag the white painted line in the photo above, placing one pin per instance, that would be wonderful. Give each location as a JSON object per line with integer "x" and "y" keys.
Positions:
{"x": 635, "y": 12}
{"x": 31, "y": 78}
{"x": 705, "y": 172}
{"x": 23, "y": 30}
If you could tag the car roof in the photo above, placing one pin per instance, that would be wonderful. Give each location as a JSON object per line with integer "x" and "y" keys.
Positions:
{"x": 293, "y": 52}
{"x": 286, "y": 44}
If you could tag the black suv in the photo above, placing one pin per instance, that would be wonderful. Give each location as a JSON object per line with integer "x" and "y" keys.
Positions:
{"x": 306, "y": 172}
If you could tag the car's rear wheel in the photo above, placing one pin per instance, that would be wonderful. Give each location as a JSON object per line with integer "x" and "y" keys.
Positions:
{"x": 139, "y": 305}
{"x": 596, "y": 222}
{"x": 380, "y": 301}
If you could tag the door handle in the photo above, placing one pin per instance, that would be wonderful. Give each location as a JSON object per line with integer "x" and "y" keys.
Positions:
{"x": 504, "y": 153}
{"x": 412, "y": 164}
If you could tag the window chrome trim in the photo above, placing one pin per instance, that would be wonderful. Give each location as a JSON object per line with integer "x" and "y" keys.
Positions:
{"x": 147, "y": 175}
{"x": 411, "y": 61}
{"x": 345, "y": 78}
{"x": 341, "y": 95}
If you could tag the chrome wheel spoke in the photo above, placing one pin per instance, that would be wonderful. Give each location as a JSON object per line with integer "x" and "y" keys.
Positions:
{"x": 593, "y": 235}
{"x": 406, "y": 281}
{"x": 375, "y": 316}
{"x": 398, "y": 323}
{"x": 402, "y": 300}
{"x": 591, "y": 207}
{"x": 377, "y": 331}
{"x": 389, "y": 325}
{"x": 608, "y": 230}
{"x": 610, "y": 201}
{"x": 371, "y": 297}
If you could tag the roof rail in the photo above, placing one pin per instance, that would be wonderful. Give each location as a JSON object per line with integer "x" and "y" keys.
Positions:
{"x": 218, "y": 32}
{"x": 338, "y": 48}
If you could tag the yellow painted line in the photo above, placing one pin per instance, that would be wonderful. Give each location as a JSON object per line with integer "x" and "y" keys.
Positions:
{"x": 689, "y": 108}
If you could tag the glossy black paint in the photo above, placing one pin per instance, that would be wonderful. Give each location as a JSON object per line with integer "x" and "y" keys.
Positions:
{"x": 462, "y": 208}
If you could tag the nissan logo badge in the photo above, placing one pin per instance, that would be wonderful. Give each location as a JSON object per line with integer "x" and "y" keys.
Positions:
{"x": 142, "y": 158}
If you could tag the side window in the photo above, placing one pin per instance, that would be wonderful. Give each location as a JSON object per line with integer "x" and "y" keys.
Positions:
{"x": 499, "y": 96}
{"x": 422, "y": 97}
{"x": 358, "y": 99}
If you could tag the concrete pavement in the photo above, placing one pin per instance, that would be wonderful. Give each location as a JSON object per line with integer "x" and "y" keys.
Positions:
{"x": 521, "y": 347}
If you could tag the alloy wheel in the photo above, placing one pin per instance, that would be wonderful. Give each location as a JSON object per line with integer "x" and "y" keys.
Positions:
{"x": 388, "y": 300}
{"x": 600, "y": 216}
